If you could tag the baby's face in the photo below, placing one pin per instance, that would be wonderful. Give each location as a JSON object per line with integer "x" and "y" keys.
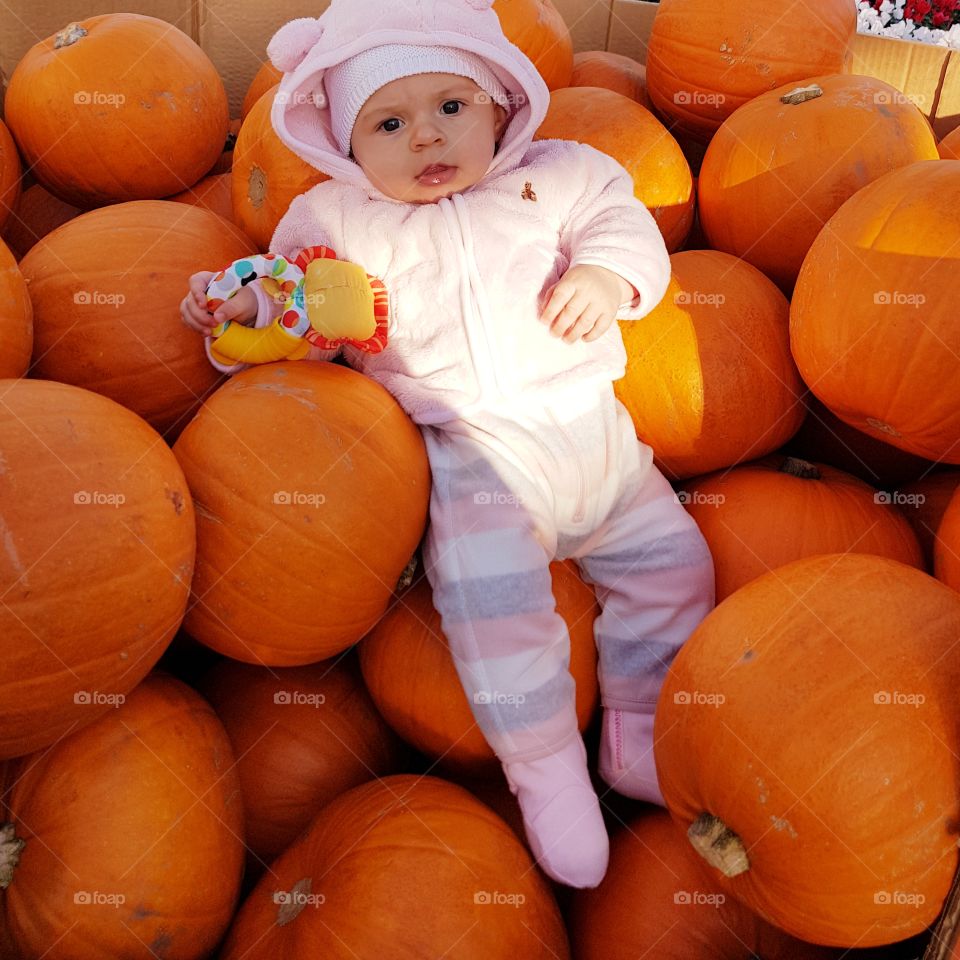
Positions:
{"x": 428, "y": 119}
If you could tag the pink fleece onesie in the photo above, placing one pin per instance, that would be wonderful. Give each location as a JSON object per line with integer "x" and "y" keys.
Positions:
{"x": 533, "y": 458}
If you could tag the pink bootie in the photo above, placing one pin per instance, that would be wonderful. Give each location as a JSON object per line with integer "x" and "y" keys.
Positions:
{"x": 561, "y": 815}
{"x": 626, "y": 755}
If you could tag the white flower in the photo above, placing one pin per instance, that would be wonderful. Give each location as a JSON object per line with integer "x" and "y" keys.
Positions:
{"x": 889, "y": 21}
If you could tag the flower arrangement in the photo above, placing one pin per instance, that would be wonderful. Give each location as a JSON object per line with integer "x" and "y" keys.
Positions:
{"x": 929, "y": 21}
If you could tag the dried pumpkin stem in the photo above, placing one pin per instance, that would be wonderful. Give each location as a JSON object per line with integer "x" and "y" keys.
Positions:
{"x": 803, "y": 469}
{"x": 10, "y": 847}
{"x": 70, "y": 34}
{"x": 802, "y": 94}
{"x": 718, "y": 845}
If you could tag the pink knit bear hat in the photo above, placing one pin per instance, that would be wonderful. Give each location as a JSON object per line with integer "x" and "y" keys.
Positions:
{"x": 350, "y": 84}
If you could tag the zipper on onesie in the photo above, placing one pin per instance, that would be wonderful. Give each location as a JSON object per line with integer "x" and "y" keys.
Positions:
{"x": 580, "y": 507}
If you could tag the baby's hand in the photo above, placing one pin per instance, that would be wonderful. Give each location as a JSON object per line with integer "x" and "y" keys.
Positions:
{"x": 242, "y": 306}
{"x": 584, "y": 302}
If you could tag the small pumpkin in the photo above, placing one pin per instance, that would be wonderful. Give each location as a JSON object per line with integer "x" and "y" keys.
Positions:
{"x": 614, "y": 71}
{"x": 100, "y": 543}
{"x": 37, "y": 212}
{"x": 16, "y": 317}
{"x": 946, "y": 546}
{"x": 213, "y": 193}
{"x": 803, "y": 711}
{"x": 759, "y": 516}
{"x": 298, "y": 469}
{"x": 949, "y": 146}
{"x": 873, "y": 322}
{"x": 393, "y": 849}
{"x": 302, "y": 736}
{"x": 923, "y": 503}
{"x": 539, "y": 30}
{"x": 704, "y": 60}
{"x": 10, "y": 171}
{"x": 267, "y": 77}
{"x": 125, "y": 839}
{"x": 131, "y": 88}
{"x": 710, "y": 381}
{"x": 411, "y": 676}
{"x": 266, "y": 175}
{"x": 632, "y": 135}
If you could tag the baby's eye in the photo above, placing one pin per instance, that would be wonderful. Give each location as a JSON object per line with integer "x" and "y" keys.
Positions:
{"x": 455, "y": 103}
{"x": 390, "y": 129}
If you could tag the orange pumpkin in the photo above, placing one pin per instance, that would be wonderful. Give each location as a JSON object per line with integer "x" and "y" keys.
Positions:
{"x": 949, "y": 146}
{"x": 130, "y": 88}
{"x": 9, "y": 175}
{"x": 657, "y": 891}
{"x": 704, "y": 60}
{"x": 709, "y": 379}
{"x": 297, "y": 470}
{"x": 923, "y": 503}
{"x": 214, "y": 193}
{"x": 132, "y": 834}
{"x": 762, "y": 515}
{"x": 267, "y": 77}
{"x": 266, "y": 174}
{"x": 390, "y": 850}
{"x": 37, "y": 213}
{"x": 872, "y": 323}
{"x": 302, "y": 736}
{"x": 100, "y": 545}
{"x": 614, "y": 71}
{"x": 764, "y": 196}
{"x": 825, "y": 438}
{"x": 946, "y": 547}
{"x": 16, "y": 318}
{"x": 411, "y": 676}
{"x": 626, "y": 131}
{"x": 538, "y": 29}
{"x": 117, "y": 330}
{"x": 801, "y": 713}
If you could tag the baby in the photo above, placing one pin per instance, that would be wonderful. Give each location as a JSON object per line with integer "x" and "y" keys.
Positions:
{"x": 507, "y": 263}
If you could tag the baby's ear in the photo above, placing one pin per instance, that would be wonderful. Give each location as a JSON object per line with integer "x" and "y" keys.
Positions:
{"x": 293, "y": 41}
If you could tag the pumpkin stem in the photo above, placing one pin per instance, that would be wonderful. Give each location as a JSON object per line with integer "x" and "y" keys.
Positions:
{"x": 70, "y": 34}
{"x": 803, "y": 469}
{"x": 10, "y": 847}
{"x": 257, "y": 187}
{"x": 406, "y": 578}
{"x": 718, "y": 845}
{"x": 802, "y": 94}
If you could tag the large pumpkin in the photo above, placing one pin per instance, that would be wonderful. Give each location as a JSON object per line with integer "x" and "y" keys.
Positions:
{"x": 632, "y": 135}
{"x": 704, "y": 60}
{"x": 762, "y": 515}
{"x": 782, "y": 164}
{"x": 127, "y": 837}
{"x": 99, "y": 550}
{"x": 614, "y": 71}
{"x": 949, "y": 146}
{"x": 659, "y": 894}
{"x": 9, "y": 174}
{"x": 267, "y": 77}
{"x": 266, "y": 174}
{"x": 710, "y": 381}
{"x": 312, "y": 488}
{"x": 946, "y": 547}
{"x": 16, "y": 317}
{"x": 106, "y": 288}
{"x": 873, "y": 324}
{"x": 923, "y": 503}
{"x": 806, "y": 738}
{"x": 411, "y": 676}
{"x": 37, "y": 212}
{"x": 117, "y": 107}
{"x": 302, "y": 735}
{"x": 538, "y": 29}
{"x": 405, "y": 867}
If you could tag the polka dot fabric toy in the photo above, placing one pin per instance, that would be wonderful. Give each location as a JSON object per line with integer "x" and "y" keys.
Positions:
{"x": 326, "y": 302}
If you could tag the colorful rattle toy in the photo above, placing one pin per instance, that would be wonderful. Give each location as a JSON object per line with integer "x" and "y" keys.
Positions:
{"x": 327, "y": 302}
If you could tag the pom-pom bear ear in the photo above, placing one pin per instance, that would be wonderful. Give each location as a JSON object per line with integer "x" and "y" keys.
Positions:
{"x": 293, "y": 41}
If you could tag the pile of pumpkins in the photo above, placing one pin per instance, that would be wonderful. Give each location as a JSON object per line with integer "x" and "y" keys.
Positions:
{"x": 230, "y": 723}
